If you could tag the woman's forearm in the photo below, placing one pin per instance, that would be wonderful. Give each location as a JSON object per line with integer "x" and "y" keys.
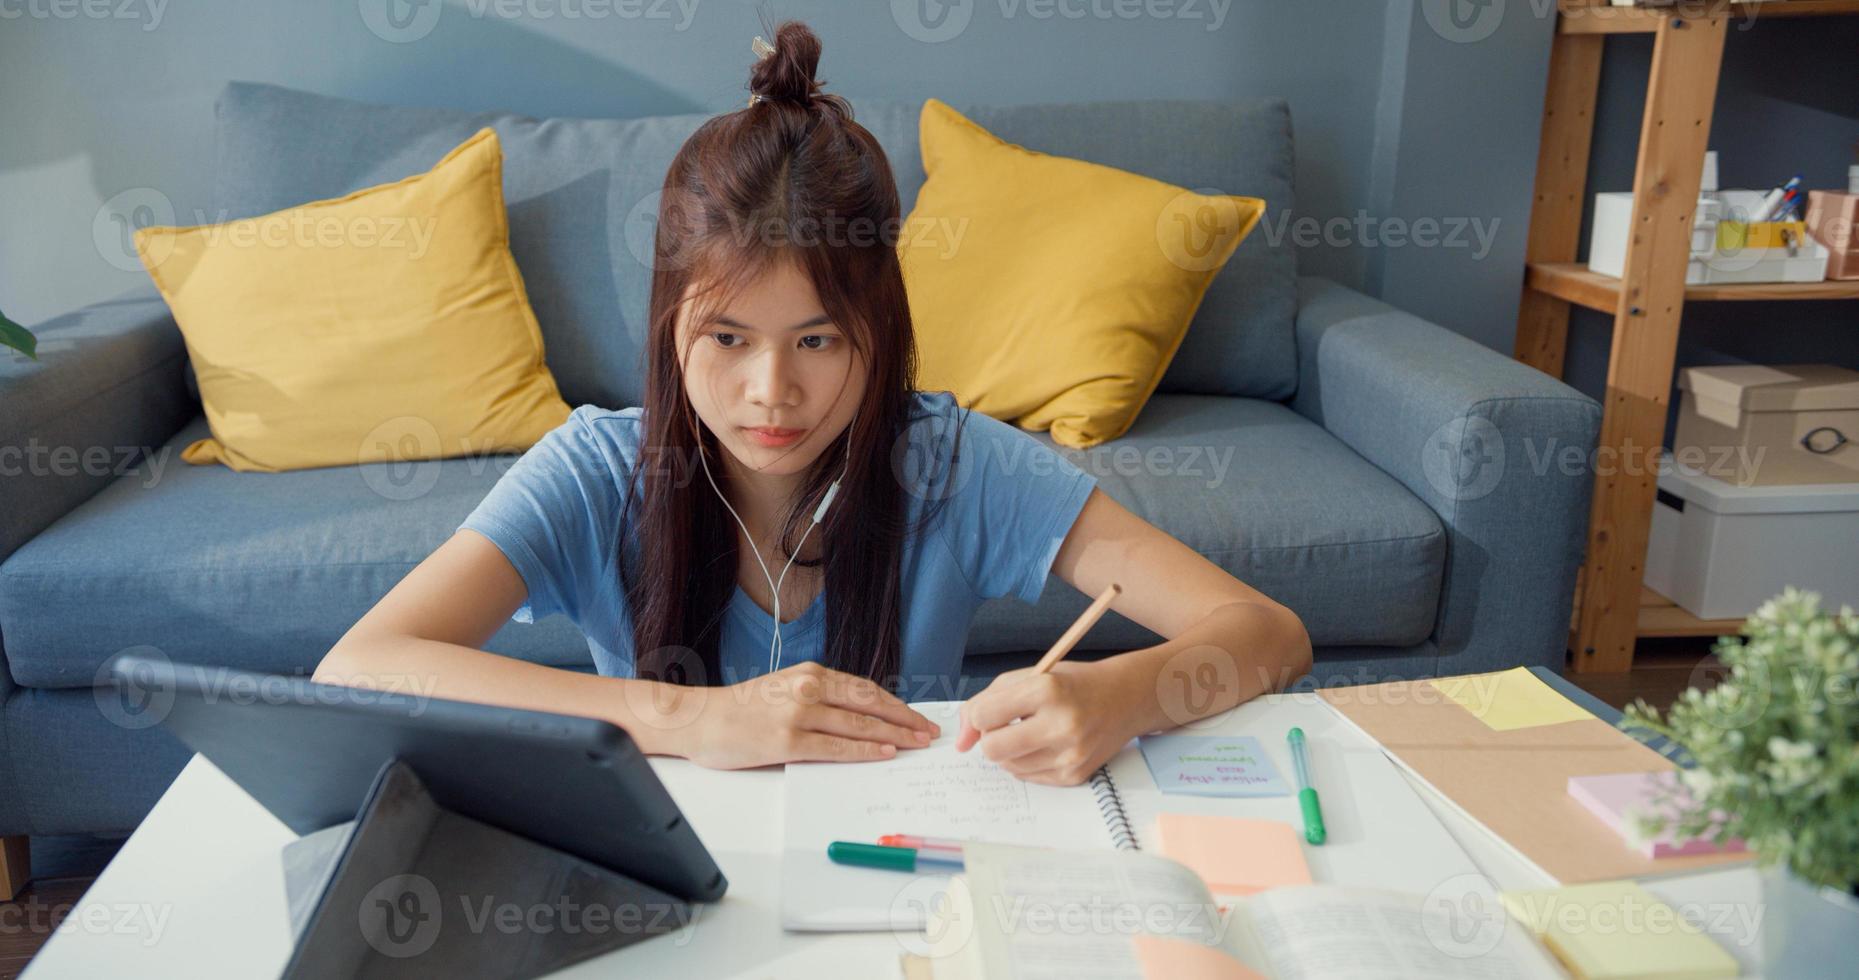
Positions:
{"x": 658, "y": 716}
{"x": 1232, "y": 655}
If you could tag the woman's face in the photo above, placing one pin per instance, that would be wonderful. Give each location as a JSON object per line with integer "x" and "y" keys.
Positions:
{"x": 771, "y": 376}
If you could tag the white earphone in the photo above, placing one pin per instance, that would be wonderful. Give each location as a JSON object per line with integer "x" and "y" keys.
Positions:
{"x": 819, "y": 514}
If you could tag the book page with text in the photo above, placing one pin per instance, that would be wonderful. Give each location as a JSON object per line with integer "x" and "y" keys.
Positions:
{"x": 1333, "y": 933}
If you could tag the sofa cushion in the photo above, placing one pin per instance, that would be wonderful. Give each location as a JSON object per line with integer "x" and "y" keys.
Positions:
{"x": 1272, "y": 498}
{"x": 256, "y": 570}
{"x": 337, "y": 349}
{"x": 583, "y": 193}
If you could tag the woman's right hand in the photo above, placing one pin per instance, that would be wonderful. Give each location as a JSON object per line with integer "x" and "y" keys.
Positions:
{"x": 803, "y": 713}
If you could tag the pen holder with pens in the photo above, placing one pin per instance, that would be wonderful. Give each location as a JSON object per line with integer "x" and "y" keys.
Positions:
{"x": 1754, "y": 251}
{"x": 1726, "y": 247}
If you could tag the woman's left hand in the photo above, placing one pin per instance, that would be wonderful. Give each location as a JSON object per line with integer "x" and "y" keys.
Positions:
{"x": 1072, "y": 720}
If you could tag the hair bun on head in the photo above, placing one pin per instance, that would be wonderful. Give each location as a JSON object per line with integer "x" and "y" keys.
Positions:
{"x": 783, "y": 71}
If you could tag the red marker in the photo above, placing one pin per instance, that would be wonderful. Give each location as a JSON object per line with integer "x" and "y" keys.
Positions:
{"x": 912, "y": 840}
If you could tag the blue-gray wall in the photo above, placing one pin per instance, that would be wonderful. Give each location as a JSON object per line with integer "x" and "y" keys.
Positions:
{"x": 97, "y": 108}
{"x": 1413, "y": 116}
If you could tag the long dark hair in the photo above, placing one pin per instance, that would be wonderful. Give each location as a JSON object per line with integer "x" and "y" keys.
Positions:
{"x": 793, "y": 163}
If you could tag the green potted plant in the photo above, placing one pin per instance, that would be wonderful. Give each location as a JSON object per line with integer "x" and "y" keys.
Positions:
{"x": 17, "y": 337}
{"x": 1774, "y": 753}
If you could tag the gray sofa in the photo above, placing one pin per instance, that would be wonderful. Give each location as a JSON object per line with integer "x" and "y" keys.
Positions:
{"x": 1375, "y": 472}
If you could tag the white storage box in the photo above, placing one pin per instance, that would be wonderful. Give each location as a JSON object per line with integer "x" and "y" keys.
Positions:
{"x": 1719, "y": 551}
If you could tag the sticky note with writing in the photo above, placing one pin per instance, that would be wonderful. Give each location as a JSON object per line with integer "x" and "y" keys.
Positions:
{"x": 1207, "y": 765}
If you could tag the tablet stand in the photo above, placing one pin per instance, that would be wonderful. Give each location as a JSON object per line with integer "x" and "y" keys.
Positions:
{"x": 411, "y": 889}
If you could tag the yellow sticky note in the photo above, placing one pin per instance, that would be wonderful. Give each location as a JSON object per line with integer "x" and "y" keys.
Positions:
{"x": 1510, "y": 699}
{"x": 1615, "y": 930}
{"x": 1234, "y": 856}
{"x": 1168, "y": 958}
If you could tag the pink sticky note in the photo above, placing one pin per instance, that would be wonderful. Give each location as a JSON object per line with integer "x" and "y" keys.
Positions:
{"x": 1168, "y": 958}
{"x": 1234, "y": 856}
{"x": 1616, "y": 797}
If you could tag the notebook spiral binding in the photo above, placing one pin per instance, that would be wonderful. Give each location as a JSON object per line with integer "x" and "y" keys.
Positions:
{"x": 1110, "y": 807}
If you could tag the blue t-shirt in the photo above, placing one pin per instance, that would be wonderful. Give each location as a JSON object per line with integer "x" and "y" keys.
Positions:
{"x": 1007, "y": 503}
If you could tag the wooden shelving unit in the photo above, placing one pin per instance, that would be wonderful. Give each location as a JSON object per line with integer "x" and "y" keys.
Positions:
{"x": 1612, "y": 609}
{"x": 1660, "y": 616}
{"x": 1573, "y": 282}
{"x": 1645, "y": 20}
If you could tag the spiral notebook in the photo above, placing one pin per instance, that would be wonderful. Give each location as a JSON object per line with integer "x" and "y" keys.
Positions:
{"x": 1381, "y": 835}
{"x": 934, "y": 791}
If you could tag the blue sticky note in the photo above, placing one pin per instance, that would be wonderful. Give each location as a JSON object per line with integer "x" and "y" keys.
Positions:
{"x": 1206, "y": 765}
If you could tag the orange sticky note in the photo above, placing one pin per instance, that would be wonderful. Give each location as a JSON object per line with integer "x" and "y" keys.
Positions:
{"x": 1234, "y": 856}
{"x": 1168, "y": 958}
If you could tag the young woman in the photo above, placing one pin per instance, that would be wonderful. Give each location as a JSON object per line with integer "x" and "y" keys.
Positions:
{"x": 726, "y": 625}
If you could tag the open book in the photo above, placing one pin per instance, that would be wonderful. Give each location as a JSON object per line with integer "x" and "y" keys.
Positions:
{"x": 1035, "y": 913}
{"x": 1381, "y": 835}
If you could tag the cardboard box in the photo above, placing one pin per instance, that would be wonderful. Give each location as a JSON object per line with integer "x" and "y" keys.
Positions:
{"x": 1762, "y": 425}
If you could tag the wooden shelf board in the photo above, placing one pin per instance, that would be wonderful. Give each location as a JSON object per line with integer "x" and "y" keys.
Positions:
{"x": 1572, "y": 281}
{"x": 1580, "y": 17}
{"x": 1660, "y": 616}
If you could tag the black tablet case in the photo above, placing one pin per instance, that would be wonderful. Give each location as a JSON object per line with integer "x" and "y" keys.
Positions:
{"x": 411, "y": 889}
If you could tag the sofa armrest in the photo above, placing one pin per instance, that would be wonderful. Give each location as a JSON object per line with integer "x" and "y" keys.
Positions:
{"x": 109, "y": 385}
{"x": 1500, "y": 450}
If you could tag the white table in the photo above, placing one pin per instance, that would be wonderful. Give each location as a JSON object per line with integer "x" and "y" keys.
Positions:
{"x": 198, "y": 891}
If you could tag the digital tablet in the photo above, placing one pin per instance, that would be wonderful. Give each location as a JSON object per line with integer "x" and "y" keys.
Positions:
{"x": 308, "y": 752}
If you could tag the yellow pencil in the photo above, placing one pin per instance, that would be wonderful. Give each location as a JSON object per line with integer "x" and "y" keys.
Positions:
{"x": 1078, "y": 629}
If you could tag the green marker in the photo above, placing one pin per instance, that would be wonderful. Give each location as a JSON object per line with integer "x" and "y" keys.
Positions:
{"x": 892, "y": 858}
{"x": 1306, "y": 793}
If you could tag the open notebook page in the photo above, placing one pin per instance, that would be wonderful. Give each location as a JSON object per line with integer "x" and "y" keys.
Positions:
{"x": 934, "y": 792}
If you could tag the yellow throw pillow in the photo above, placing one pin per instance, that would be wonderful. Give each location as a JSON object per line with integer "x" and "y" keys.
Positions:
{"x": 390, "y": 324}
{"x": 1053, "y": 292}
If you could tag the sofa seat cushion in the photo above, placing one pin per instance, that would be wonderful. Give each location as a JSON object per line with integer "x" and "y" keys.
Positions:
{"x": 262, "y": 571}
{"x": 1272, "y": 498}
